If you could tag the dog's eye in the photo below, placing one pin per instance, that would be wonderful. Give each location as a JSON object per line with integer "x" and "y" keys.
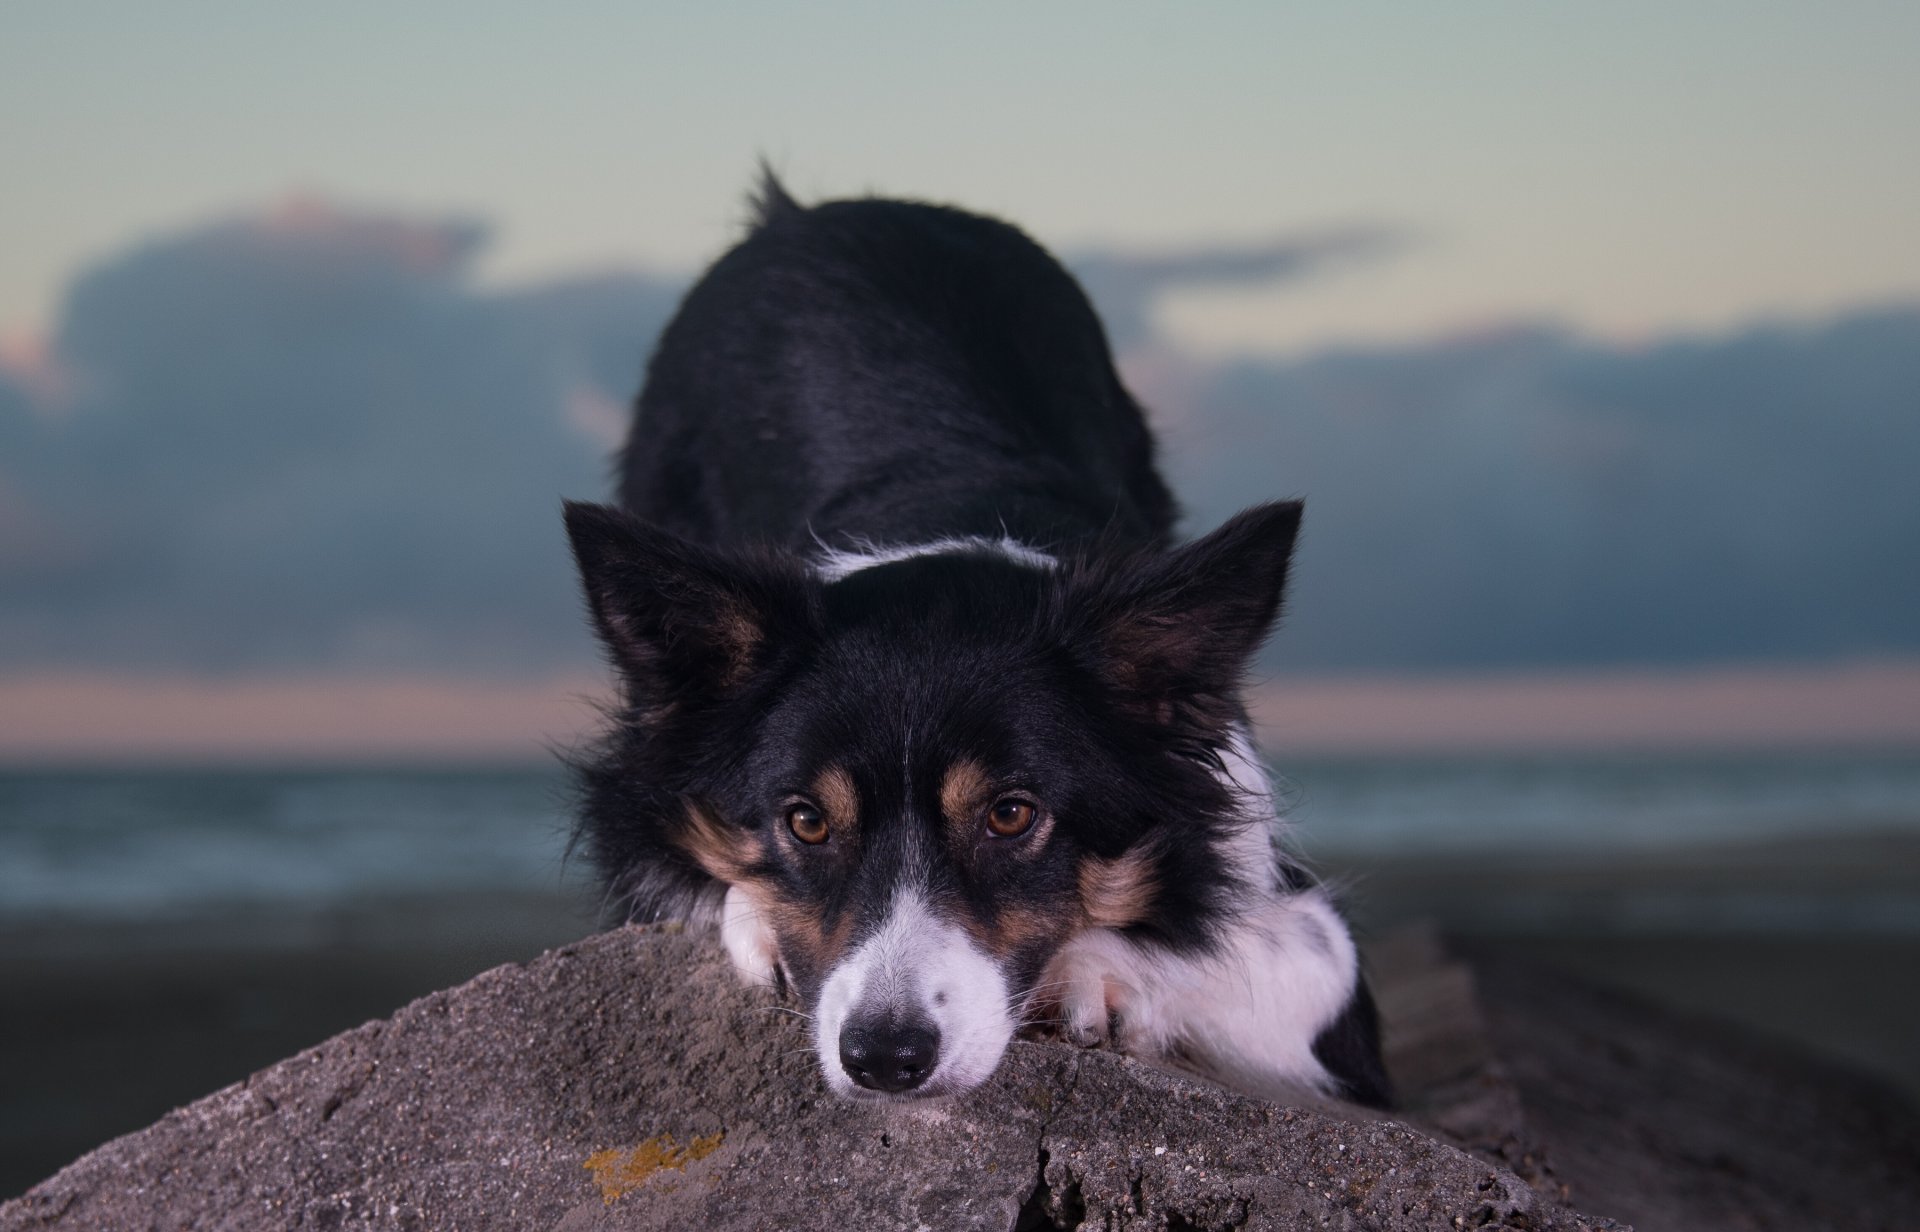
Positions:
{"x": 807, "y": 824}
{"x": 1010, "y": 818}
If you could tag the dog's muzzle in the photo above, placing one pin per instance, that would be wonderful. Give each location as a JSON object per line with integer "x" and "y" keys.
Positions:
{"x": 916, "y": 1009}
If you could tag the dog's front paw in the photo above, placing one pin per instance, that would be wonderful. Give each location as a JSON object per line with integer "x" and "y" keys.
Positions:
{"x": 1085, "y": 1017}
{"x": 1085, "y": 996}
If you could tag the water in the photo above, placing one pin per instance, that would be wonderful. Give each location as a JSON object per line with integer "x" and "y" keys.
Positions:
{"x": 1600, "y": 806}
{"x": 128, "y": 845}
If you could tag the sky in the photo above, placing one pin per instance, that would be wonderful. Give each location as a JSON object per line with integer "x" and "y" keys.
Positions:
{"x": 305, "y": 439}
{"x": 1589, "y": 333}
{"x": 1630, "y": 169}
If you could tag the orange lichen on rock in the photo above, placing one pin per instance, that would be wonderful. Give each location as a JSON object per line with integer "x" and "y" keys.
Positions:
{"x": 619, "y": 1172}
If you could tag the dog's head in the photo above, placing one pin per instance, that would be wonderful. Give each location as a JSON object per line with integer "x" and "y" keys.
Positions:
{"x": 914, "y": 783}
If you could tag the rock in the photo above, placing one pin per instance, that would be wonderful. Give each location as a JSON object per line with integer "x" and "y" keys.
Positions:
{"x": 1678, "y": 1123}
{"x": 628, "y": 1082}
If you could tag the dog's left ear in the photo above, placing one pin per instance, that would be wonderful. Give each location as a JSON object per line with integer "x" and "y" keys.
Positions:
{"x": 1173, "y": 632}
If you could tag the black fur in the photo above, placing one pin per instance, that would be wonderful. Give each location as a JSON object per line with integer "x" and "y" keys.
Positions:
{"x": 871, "y": 373}
{"x": 880, "y": 369}
{"x": 1349, "y": 1047}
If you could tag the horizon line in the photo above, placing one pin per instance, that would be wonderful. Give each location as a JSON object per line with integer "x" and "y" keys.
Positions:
{"x": 81, "y": 719}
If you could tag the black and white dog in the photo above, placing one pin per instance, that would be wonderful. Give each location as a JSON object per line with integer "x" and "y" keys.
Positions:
{"x": 921, "y": 707}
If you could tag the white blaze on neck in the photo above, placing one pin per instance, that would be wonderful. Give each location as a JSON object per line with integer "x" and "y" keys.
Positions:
{"x": 833, "y": 563}
{"x": 1250, "y": 849}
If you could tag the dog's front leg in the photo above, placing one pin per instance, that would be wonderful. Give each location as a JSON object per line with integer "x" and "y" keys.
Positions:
{"x": 747, "y": 936}
{"x": 1105, "y": 988}
{"x": 1247, "y": 1010}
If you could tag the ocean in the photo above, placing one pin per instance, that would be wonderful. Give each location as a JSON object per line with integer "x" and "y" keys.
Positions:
{"x": 1594, "y": 806}
{"x": 1796, "y": 831}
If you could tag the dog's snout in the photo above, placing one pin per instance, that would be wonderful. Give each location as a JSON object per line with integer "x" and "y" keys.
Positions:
{"x": 881, "y": 1026}
{"x": 891, "y": 1057}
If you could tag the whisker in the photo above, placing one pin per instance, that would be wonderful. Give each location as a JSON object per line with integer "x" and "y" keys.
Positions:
{"x": 1037, "y": 989}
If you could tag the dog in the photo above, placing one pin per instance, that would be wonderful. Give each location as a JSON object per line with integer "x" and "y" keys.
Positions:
{"x": 920, "y": 704}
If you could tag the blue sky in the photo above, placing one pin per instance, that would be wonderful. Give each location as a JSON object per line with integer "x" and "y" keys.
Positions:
{"x": 1631, "y": 169}
{"x": 1620, "y": 379}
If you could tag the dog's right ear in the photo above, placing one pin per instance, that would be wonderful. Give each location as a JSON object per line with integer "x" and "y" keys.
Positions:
{"x": 680, "y": 621}
{"x": 1173, "y": 632}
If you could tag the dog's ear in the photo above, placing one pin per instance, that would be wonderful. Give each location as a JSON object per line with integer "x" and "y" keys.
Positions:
{"x": 680, "y": 620}
{"x": 1173, "y": 632}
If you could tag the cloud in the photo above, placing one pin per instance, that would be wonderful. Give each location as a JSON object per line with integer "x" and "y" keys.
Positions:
{"x": 1531, "y": 498}
{"x": 305, "y": 442}
{"x": 30, "y": 375}
{"x": 1129, "y": 287}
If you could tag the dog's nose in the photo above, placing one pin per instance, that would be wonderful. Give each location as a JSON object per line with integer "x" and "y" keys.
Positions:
{"x": 891, "y": 1057}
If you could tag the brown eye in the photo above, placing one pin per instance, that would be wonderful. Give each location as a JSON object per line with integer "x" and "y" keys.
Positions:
{"x": 807, "y": 824}
{"x": 1010, "y": 818}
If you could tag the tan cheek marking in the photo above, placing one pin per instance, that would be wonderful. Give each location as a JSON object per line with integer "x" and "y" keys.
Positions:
{"x": 725, "y": 853}
{"x": 803, "y": 934}
{"x": 1116, "y": 893}
{"x": 1014, "y": 929}
{"x": 963, "y": 793}
{"x": 798, "y": 930}
{"x": 834, "y": 789}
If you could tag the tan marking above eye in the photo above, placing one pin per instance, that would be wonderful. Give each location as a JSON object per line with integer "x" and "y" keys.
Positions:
{"x": 808, "y": 824}
{"x": 963, "y": 790}
{"x": 1011, "y": 817}
{"x": 837, "y": 798}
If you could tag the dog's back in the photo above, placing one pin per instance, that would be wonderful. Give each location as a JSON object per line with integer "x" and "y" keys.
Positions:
{"x": 880, "y": 372}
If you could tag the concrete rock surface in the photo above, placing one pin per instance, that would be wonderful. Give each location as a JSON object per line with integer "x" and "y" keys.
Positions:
{"x": 629, "y": 1082}
{"x": 1682, "y": 1124}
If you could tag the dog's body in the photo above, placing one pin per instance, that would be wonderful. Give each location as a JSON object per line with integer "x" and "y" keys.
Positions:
{"x": 922, "y": 709}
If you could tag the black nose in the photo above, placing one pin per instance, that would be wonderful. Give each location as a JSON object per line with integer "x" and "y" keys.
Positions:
{"x": 889, "y": 1056}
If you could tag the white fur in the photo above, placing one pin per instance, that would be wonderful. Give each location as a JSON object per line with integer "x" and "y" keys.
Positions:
{"x": 1250, "y": 1010}
{"x": 919, "y": 966}
{"x": 833, "y": 563}
{"x": 1251, "y": 849}
{"x": 749, "y": 939}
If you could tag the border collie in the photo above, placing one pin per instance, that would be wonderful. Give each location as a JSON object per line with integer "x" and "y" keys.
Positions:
{"x": 920, "y": 705}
